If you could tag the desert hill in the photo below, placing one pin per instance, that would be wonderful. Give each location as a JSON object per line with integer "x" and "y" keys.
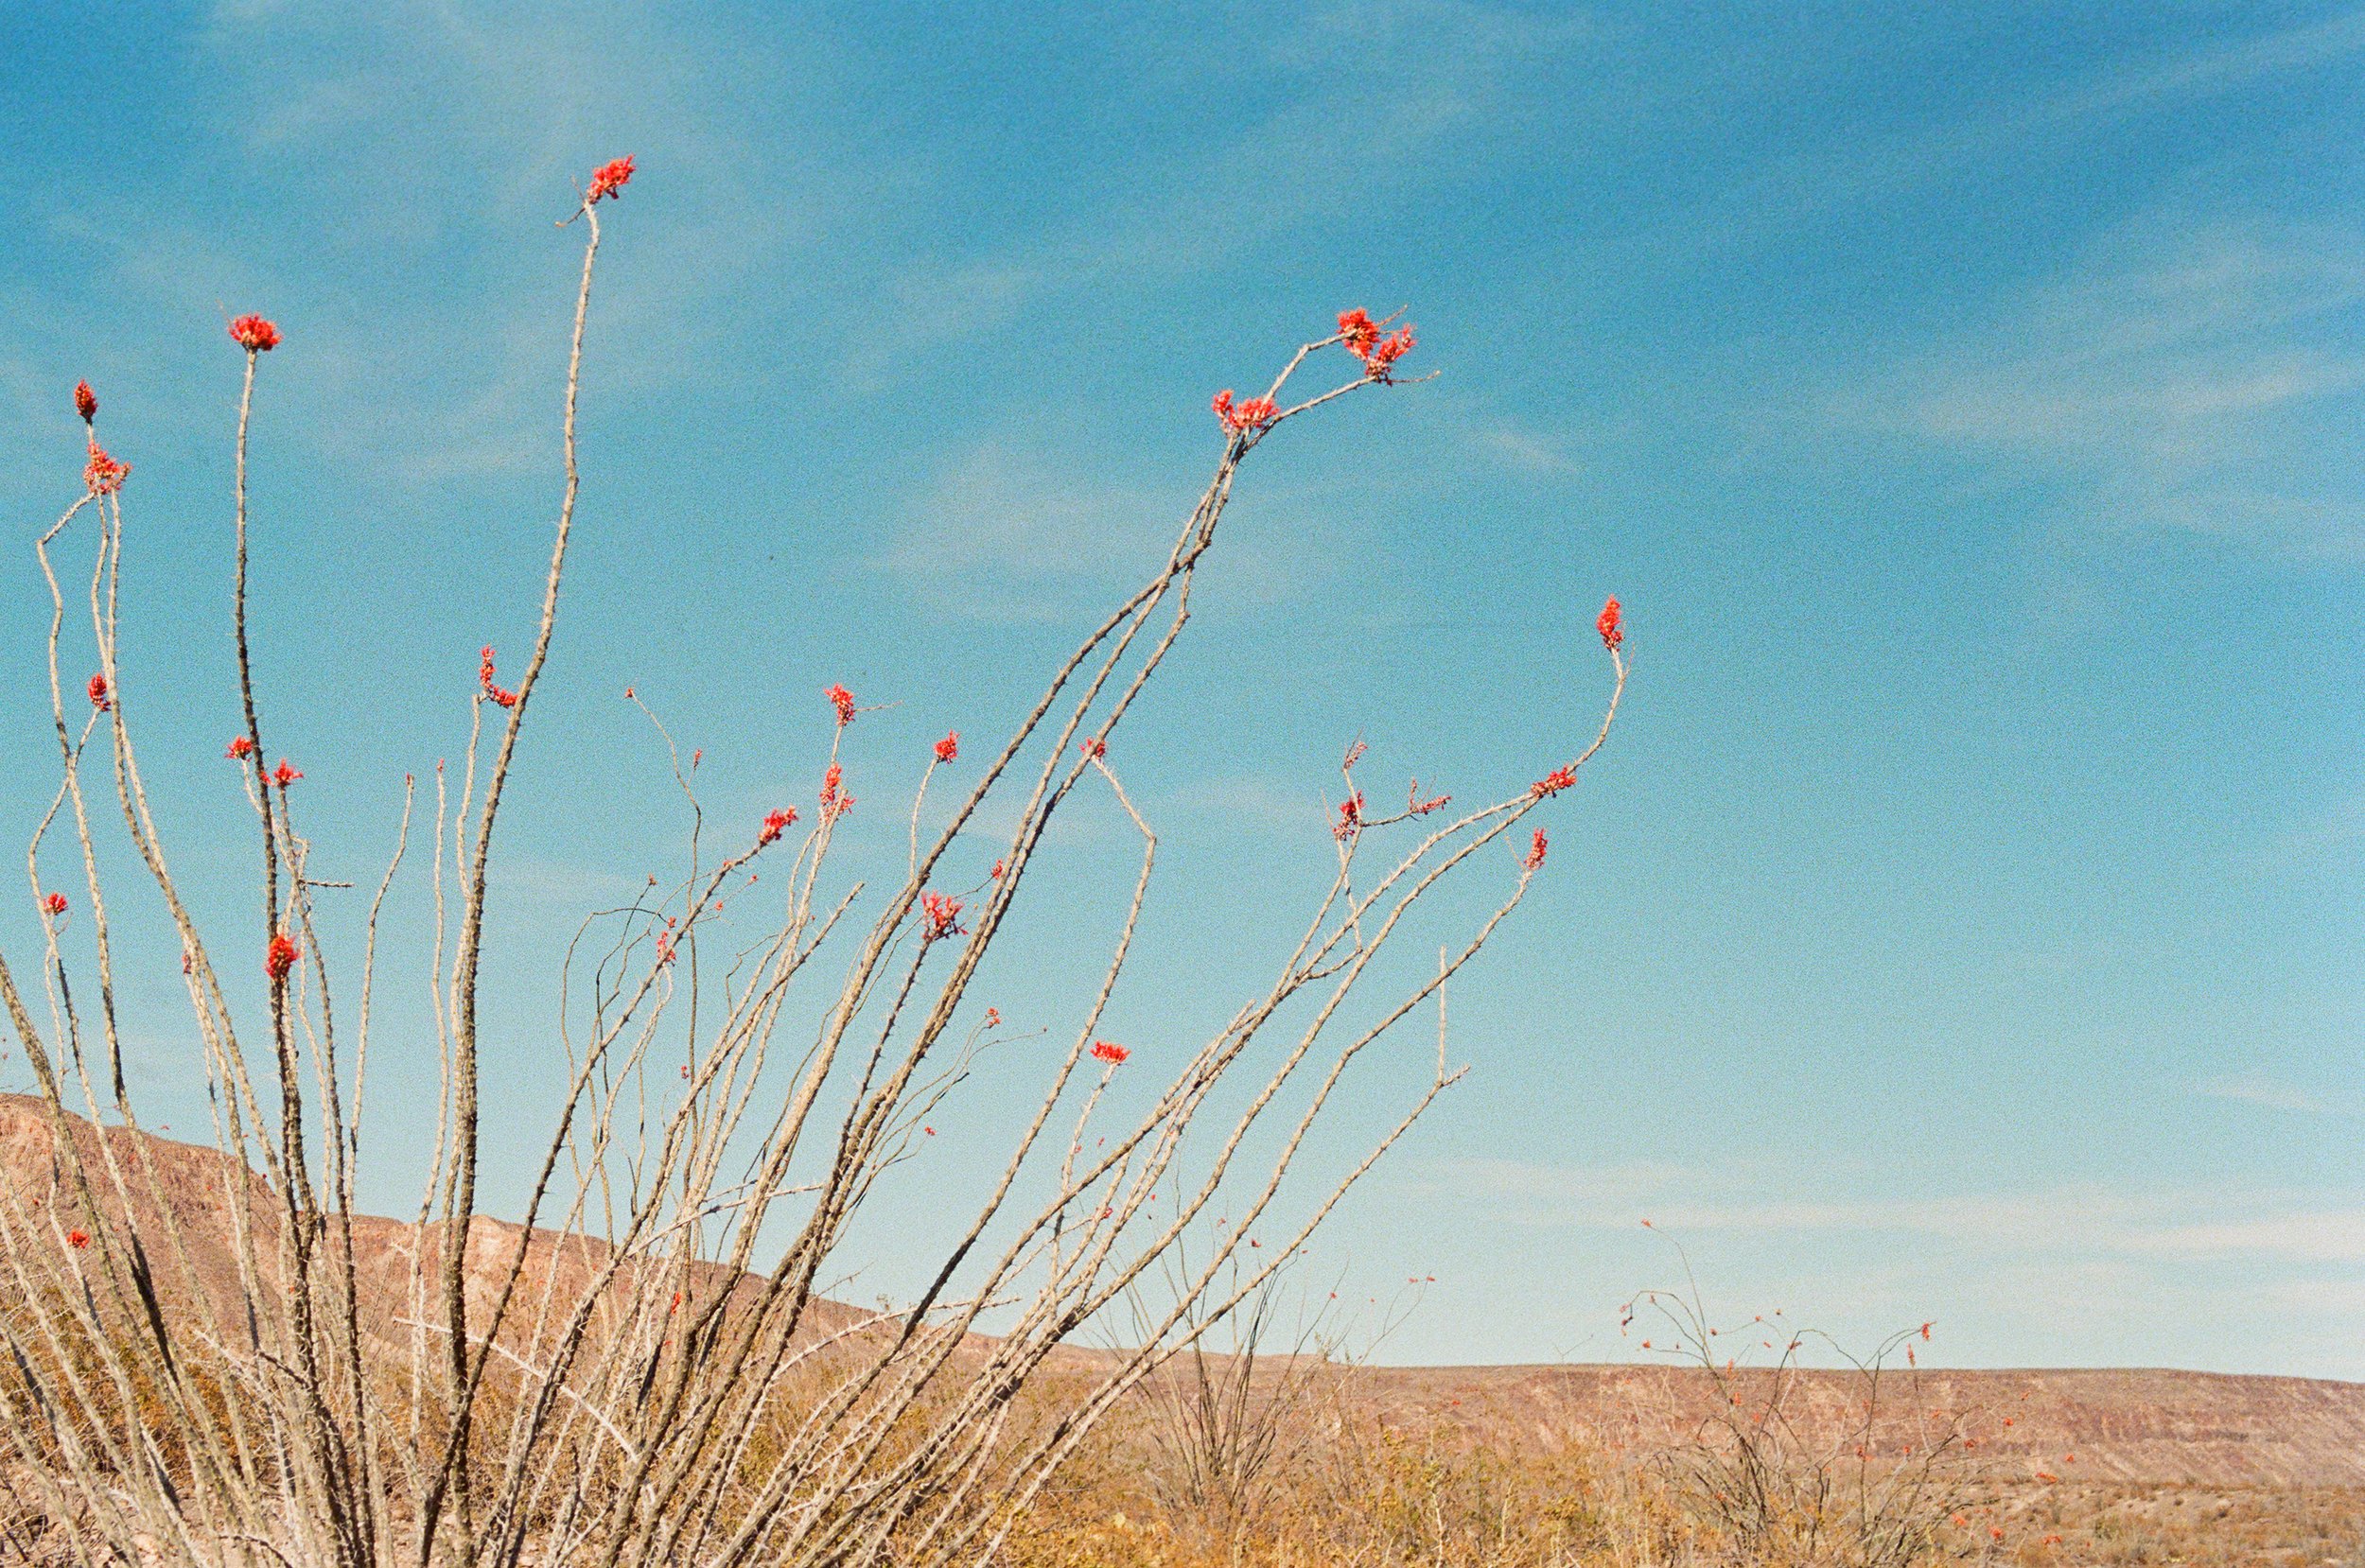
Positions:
{"x": 2100, "y": 1425}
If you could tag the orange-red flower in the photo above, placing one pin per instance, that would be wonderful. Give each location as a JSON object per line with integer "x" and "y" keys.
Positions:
{"x": 940, "y": 917}
{"x": 608, "y": 180}
{"x": 1360, "y": 335}
{"x": 1110, "y": 1052}
{"x": 54, "y": 903}
{"x": 843, "y": 701}
{"x": 949, "y": 747}
{"x": 1255, "y": 414}
{"x": 78, "y": 1239}
{"x": 485, "y": 678}
{"x": 835, "y": 802}
{"x": 100, "y": 696}
{"x": 1554, "y": 782}
{"x": 1350, "y": 817}
{"x": 774, "y": 823}
{"x": 240, "y": 749}
{"x": 1095, "y": 747}
{"x": 280, "y": 956}
{"x": 1381, "y": 360}
{"x": 255, "y": 335}
{"x": 1419, "y": 808}
{"x": 1533, "y": 859}
{"x": 104, "y": 475}
{"x": 284, "y": 773}
{"x": 85, "y": 401}
{"x": 1612, "y": 624}
{"x": 1357, "y": 331}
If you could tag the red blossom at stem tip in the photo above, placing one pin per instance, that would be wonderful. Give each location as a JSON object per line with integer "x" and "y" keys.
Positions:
{"x": 104, "y": 475}
{"x": 1255, "y": 414}
{"x": 608, "y": 180}
{"x": 240, "y": 749}
{"x": 1095, "y": 748}
{"x": 253, "y": 334}
{"x": 1360, "y": 335}
{"x": 1110, "y": 1052}
{"x": 485, "y": 679}
{"x": 1419, "y": 808}
{"x": 1357, "y": 331}
{"x": 1533, "y": 859}
{"x": 993, "y": 1018}
{"x": 78, "y": 1239}
{"x": 101, "y": 698}
{"x": 54, "y": 903}
{"x": 949, "y": 747}
{"x": 774, "y": 823}
{"x": 1350, "y": 817}
{"x": 940, "y": 917}
{"x": 835, "y": 802}
{"x": 284, "y": 773}
{"x": 1612, "y": 624}
{"x": 1554, "y": 782}
{"x": 843, "y": 701}
{"x": 280, "y": 957}
{"x": 85, "y": 401}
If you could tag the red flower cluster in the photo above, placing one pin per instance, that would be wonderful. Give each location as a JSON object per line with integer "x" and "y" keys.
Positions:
{"x": 240, "y": 749}
{"x": 940, "y": 917}
{"x": 774, "y": 823}
{"x": 280, "y": 957}
{"x": 1350, "y": 816}
{"x": 994, "y": 875}
{"x": 78, "y": 1239}
{"x": 284, "y": 773}
{"x": 1379, "y": 354}
{"x": 843, "y": 701}
{"x": 1533, "y": 859}
{"x": 85, "y": 401}
{"x": 608, "y": 180}
{"x": 102, "y": 474}
{"x": 54, "y": 903}
{"x": 835, "y": 802}
{"x": 949, "y": 747}
{"x": 1419, "y": 808}
{"x": 1095, "y": 748}
{"x": 99, "y": 698}
{"x": 1110, "y": 1052}
{"x": 485, "y": 679}
{"x": 1612, "y": 625}
{"x": 1255, "y": 414}
{"x": 253, "y": 334}
{"x": 1552, "y": 783}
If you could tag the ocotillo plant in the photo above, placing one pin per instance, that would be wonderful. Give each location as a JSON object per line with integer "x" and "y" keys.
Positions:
{"x": 657, "y": 1374}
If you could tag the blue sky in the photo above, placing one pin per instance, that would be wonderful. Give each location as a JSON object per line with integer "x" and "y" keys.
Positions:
{"x": 1963, "y": 921}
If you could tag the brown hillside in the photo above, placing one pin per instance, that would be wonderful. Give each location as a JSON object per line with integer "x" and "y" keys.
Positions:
{"x": 2143, "y": 1426}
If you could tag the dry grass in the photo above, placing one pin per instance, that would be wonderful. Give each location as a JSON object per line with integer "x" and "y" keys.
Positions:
{"x": 1384, "y": 1497}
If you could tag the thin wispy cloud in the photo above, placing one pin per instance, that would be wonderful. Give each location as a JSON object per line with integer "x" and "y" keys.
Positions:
{"x": 2197, "y": 379}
